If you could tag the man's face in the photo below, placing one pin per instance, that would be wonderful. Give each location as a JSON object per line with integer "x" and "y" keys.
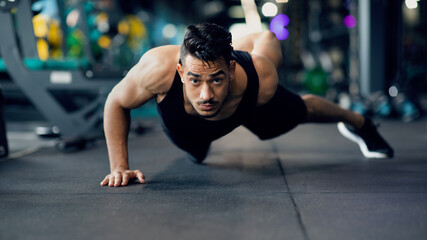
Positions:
{"x": 206, "y": 86}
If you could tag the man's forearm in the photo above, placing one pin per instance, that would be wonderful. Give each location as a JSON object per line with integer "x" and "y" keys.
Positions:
{"x": 116, "y": 128}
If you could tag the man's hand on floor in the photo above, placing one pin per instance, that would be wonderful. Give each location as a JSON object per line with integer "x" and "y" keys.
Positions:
{"x": 121, "y": 177}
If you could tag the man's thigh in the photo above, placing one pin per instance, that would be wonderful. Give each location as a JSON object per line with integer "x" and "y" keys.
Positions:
{"x": 284, "y": 112}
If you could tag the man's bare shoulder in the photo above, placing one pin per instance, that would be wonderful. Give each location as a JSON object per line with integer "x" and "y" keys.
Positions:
{"x": 162, "y": 51}
{"x": 156, "y": 68}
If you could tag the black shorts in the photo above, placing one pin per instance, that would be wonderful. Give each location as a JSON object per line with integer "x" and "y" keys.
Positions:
{"x": 282, "y": 113}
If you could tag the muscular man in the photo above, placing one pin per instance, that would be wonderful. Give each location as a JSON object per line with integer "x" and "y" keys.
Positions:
{"x": 205, "y": 89}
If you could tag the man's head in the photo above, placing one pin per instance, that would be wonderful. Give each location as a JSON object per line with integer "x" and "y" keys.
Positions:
{"x": 206, "y": 68}
{"x": 207, "y": 42}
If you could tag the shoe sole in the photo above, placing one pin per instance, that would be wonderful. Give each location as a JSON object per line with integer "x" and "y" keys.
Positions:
{"x": 362, "y": 145}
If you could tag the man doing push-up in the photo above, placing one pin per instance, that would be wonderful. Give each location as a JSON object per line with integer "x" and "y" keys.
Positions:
{"x": 210, "y": 85}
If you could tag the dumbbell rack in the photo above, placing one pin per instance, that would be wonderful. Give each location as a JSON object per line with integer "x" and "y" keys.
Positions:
{"x": 76, "y": 127}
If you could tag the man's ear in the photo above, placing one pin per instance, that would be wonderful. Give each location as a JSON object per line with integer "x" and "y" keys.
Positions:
{"x": 180, "y": 70}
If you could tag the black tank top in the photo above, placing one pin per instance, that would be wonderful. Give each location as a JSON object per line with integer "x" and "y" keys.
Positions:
{"x": 181, "y": 126}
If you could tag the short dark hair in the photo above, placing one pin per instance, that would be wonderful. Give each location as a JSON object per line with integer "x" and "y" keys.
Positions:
{"x": 207, "y": 42}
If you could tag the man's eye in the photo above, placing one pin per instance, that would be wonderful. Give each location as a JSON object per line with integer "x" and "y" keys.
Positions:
{"x": 194, "y": 81}
{"x": 217, "y": 80}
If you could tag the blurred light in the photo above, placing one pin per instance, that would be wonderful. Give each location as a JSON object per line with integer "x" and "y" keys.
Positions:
{"x": 344, "y": 100}
{"x": 282, "y": 34}
{"x": 393, "y": 91}
{"x": 104, "y": 41}
{"x": 236, "y": 12}
{"x": 102, "y": 22}
{"x": 326, "y": 62}
{"x": 42, "y": 49}
{"x": 103, "y": 27}
{"x": 350, "y": 21}
{"x": 308, "y": 60}
{"x": 123, "y": 27}
{"x": 40, "y": 25}
{"x": 282, "y": 1}
{"x": 278, "y": 24}
{"x": 72, "y": 18}
{"x": 213, "y": 8}
{"x": 315, "y": 36}
{"x": 143, "y": 16}
{"x": 269, "y": 9}
{"x": 411, "y": 16}
{"x": 281, "y": 19}
{"x": 411, "y": 4}
{"x": 169, "y": 31}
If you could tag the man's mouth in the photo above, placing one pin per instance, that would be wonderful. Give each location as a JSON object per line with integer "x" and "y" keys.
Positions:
{"x": 207, "y": 107}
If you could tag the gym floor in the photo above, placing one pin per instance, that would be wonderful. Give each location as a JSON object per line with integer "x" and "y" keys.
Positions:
{"x": 308, "y": 184}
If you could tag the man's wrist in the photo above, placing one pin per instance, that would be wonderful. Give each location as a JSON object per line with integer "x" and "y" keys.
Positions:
{"x": 119, "y": 168}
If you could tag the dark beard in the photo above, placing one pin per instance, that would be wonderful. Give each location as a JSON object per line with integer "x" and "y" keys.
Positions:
{"x": 208, "y": 116}
{"x": 211, "y": 101}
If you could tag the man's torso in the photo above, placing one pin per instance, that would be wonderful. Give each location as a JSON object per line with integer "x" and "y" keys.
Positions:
{"x": 180, "y": 121}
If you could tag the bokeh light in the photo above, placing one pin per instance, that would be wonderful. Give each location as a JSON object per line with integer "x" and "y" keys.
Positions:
{"x": 411, "y": 4}
{"x": 278, "y": 24}
{"x": 169, "y": 31}
{"x": 269, "y": 9}
{"x": 350, "y": 21}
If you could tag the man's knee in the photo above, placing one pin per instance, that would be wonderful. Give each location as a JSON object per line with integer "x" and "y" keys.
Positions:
{"x": 198, "y": 153}
{"x": 196, "y": 159}
{"x": 310, "y": 102}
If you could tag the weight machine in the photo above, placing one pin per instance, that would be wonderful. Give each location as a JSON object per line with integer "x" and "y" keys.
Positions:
{"x": 44, "y": 87}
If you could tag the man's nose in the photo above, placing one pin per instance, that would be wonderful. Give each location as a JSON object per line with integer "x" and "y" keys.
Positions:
{"x": 206, "y": 93}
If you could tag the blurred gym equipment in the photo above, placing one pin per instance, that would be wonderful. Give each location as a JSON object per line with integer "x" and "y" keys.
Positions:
{"x": 68, "y": 97}
{"x": 4, "y": 151}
